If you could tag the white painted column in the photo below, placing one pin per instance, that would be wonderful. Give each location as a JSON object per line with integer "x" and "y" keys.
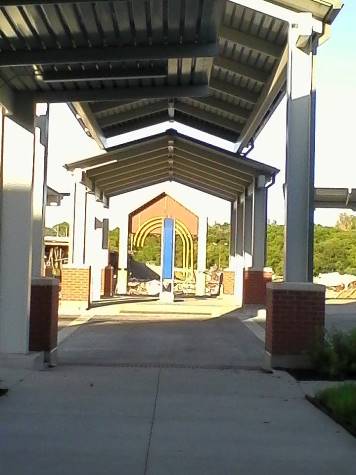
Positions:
{"x": 232, "y": 235}
{"x": 16, "y": 156}
{"x": 248, "y": 227}
{"x": 78, "y": 227}
{"x": 239, "y": 256}
{"x": 123, "y": 249}
{"x": 260, "y": 224}
{"x": 39, "y": 187}
{"x": 201, "y": 258}
{"x": 299, "y": 190}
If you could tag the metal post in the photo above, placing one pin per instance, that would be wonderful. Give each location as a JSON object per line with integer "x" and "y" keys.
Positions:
{"x": 40, "y": 159}
{"x": 300, "y": 157}
{"x": 16, "y": 157}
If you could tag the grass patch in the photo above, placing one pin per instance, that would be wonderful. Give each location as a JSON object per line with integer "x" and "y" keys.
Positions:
{"x": 340, "y": 402}
{"x": 334, "y": 356}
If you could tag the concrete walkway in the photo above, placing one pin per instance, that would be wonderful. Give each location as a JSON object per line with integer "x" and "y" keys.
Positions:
{"x": 160, "y": 405}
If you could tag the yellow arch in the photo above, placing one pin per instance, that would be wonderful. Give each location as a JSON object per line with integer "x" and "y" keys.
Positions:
{"x": 181, "y": 230}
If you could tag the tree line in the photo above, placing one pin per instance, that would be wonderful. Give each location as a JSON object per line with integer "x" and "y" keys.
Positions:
{"x": 334, "y": 249}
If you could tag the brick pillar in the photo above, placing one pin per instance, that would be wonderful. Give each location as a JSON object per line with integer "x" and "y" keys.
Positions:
{"x": 75, "y": 285}
{"x": 44, "y": 314}
{"x": 255, "y": 282}
{"x": 295, "y": 321}
{"x": 229, "y": 282}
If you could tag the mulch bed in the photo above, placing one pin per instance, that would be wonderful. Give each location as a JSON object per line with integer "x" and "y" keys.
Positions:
{"x": 331, "y": 414}
{"x": 312, "y": 375}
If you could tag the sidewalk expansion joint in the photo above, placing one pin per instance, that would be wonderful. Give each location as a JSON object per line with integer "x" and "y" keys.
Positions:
{"x": 152, "y": 424}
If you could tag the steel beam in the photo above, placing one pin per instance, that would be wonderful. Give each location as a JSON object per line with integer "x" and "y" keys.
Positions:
{"x": 114, "y": 94}
{"x": 235, "y": 91}
{"x": 205, "y": 175}
{"x": 136, "y": 113}
{"x": 224, "y": 106}
{"x": 187, "y": 182}
{"x": 103, "y": 55}
{"x": 133, "y": 178}
{"x": 138, "y": 185}
{"x": 241, "y": 69}
{"x": 262, "y": 110}
{"x": 224, "y": 175}
{"x": 251, "y": 42}
{"x": 128, "y": 163}
{"x": 208, "y": 117}
{"x": 112, "y": 74}
{"x": 116, "y": 176}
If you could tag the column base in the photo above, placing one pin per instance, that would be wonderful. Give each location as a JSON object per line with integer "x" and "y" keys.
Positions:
{"x": 200, "y": 284}
{"x": 294, "y": 323}
{"x": 285, "y": 361}
{"x": 121, "y": 286}
{"x": 229, "y": 282}
{"x": 255, "y": 282}
{"x": 32, "y": 360}
{"x": 166, "y": 297}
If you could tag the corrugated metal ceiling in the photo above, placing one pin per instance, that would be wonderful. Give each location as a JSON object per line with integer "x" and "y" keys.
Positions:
{"x": 205, "y": 63}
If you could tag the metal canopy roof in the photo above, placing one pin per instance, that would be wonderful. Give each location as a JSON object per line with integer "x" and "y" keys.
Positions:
{"x": 54, "y": 197}
{"x": 335, "y": 198}
{"x": 170, "y": 157}
{"x": 216, "y": 65}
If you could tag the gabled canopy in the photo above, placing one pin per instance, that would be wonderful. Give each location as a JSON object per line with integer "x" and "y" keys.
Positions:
{"x": 170, "y": 157}
{"x": 216, "y": 65}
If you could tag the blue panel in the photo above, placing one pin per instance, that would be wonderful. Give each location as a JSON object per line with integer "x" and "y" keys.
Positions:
{"x": 168, "y": 241}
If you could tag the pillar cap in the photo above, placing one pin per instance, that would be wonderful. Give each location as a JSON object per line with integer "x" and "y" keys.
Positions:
{"x": 45, "y": 281}
{"x": 297, "y": 286}
{"x": 75, "y": 266}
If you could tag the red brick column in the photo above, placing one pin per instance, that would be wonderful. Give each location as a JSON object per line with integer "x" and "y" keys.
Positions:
{"x": 295, "y": 321}
{"x": 255, "y": 282}
{"x": 44, "y": 314}
{"x": 229, "y": 282}
{"x": 75, "y": 283}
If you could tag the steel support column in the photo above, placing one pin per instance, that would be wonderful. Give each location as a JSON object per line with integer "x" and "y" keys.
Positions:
{"x": 16, "y": 157}
{"x": 248, "y": 228}
{"x": 239, "y": 253}
{"x": 299, "y": 190}
{"x": 201, "y": 260}
{"x": 39, "y": 187}
{"x": 78, "y": 227}
{"x": 259, "y": 224}
{"x": 123, "y": 248}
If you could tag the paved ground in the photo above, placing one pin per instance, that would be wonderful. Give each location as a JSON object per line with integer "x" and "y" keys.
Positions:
{"x": 339, "y": 315}
{"x": 155, "y": 417}
{"x": 210, "y": 342}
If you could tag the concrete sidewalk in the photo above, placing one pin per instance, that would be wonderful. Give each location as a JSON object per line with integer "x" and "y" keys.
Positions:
{"x": 145, "y": 395}
{"x": 136, "y": 421}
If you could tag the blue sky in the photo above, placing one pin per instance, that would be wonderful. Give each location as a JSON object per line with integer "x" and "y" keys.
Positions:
{"x": 335, "y": 155}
